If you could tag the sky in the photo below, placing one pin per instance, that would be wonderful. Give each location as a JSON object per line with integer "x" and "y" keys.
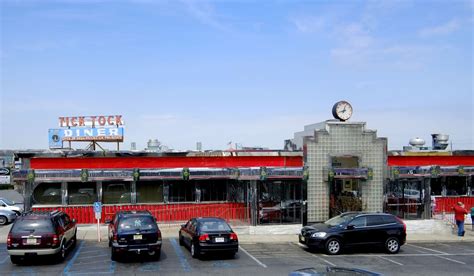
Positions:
{"x": 247, "y": 72}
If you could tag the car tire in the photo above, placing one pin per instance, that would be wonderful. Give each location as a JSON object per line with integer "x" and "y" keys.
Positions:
{"x": 61, "y": 255}
{"x": 3, "y": 220}
{"x": 15, "y": 259}
{"x": 333, "y": 246}
{"x": 194, "y": 250}
{"x": 114, "y": 256}
{"x": 181, "y": 242}
{"x": 392, "y": 245}
{"x": 74, "y": 240}
{"x": 155, "y": 255}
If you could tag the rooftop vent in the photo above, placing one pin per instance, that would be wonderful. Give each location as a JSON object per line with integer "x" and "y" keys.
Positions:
{"x": 440, "y": 141}
{"x": 417, "y": 142}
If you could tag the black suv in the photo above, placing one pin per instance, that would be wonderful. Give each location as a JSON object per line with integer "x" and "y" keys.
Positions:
{"x": 355, "y": 229}
{"x": 134, "y": 231}
{"x": 41, "y": 233}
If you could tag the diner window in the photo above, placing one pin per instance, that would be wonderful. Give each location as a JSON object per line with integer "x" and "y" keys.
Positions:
{"x": 81, "y": 193}
{"x": 214, "y": 190}
{"x": 181, "y": 191}
{"x": 456, "y": 185}
{"x": 47, "y": 193}
{"x": 149, "y": 191}
{"x": 116, "y": 192}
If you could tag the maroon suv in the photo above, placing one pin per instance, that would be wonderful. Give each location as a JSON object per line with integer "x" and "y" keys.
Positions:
{"x": 41, "y": 233}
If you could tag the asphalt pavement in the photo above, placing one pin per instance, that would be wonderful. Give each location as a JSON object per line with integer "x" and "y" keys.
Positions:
{"x": 417, "y": 231}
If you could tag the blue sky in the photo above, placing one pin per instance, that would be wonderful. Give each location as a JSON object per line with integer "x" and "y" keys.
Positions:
{"x": 250, "y": 72}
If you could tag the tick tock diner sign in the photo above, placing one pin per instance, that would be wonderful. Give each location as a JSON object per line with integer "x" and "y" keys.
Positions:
{"x": 87, "y": 128}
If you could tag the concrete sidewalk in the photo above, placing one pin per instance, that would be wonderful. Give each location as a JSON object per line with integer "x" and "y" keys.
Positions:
{"x": 417, "y": 231}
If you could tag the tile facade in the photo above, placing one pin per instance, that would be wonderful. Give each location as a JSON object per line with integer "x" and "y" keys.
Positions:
{"x": 343, "y": 138}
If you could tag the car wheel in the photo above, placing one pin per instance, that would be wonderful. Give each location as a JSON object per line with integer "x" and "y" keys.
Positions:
{"x": 194, "y": 250}
{"x": 181, "y": 242}
{"x": 15, "y": 259}
{"x": 74, "y": 240}
{"x": 3, "y": 220}
{"x": 392, "y": 245}
{"x": 114, "y": 256}
{"x": 61, "y": 255}
{"x": 333, "y": 246}
{"x": 155, "y": 255}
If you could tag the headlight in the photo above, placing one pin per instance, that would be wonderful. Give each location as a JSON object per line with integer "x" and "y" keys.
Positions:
{"x": 319, "y": 235}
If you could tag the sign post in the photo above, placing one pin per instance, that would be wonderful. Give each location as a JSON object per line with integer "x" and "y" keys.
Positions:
{"x": 98, "y": 215}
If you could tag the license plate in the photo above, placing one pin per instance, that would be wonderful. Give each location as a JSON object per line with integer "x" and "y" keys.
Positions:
{"x": 219, "y": 239}
{"x": 31, "y": 241}
{"x": 137, "y": 237}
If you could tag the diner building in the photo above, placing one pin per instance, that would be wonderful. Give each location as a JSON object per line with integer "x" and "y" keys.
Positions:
{"x": 327, "y": 168}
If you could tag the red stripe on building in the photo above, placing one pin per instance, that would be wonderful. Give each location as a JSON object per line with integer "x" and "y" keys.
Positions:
{"x": 42, "y": 163}
{"x": 430, "y": 161}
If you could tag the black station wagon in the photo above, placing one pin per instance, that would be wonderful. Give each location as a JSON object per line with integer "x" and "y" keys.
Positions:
{"x": 205, "y": 235}
{"x": 355, "y": 229}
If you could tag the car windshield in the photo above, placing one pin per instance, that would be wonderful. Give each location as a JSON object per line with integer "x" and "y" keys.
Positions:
{"x": 214, "y": 225}
{"x": 33, "y": 225}
{"x": 7, "y": 201}
{"x": 338, "y": 220}
{"x": 137, "y": 222}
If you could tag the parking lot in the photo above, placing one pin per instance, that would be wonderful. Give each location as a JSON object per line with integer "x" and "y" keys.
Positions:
{"x": 93, "y": 258}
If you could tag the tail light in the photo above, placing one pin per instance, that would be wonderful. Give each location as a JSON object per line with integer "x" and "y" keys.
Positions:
{"x": 9, "y": 240}
{"x": 204, "y": 237}
{"x": 55, "y": 240}
{"x": 402, "y": 222}
{"x": 115, "y": 238}
{"x": 233, "y": 236}
{"x": 159, "y": 235}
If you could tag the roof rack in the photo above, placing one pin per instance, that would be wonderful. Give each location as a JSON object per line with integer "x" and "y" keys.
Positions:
{"x": 42, "y": 212}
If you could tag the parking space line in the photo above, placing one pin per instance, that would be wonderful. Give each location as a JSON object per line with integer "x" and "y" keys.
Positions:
{"x": 181, "y": 257}
{"x": 149, "y": 267}
{"x": 112, "y": 266}
{"x": 387, "y": 259}
{"x": 252, "y": 257}
{"x": 442, "y": 257}
{"x": 94, "y": 256}
{"x": 326, "y": 261}
{"x": 425, "y": 248}
{"x": 73, "y": 259}
{"x": 4, "y": 260}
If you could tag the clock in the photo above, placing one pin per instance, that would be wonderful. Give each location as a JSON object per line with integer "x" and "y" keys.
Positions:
{"x": 342, "y": 110}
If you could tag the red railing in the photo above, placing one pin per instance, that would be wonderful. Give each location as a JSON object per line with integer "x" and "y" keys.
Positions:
{"x": 446, "y": 203}
{"x": 236, "y": 212}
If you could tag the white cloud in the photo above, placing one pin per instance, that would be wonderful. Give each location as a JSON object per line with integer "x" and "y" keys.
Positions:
{"x": 443, "y": 29}
{"x": 205, "y": 13}
{"x": 356, "y": 44}
{"x": 308, "y": 24}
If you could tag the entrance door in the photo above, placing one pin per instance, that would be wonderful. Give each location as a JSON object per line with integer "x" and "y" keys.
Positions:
{"x": 345, "y": 196}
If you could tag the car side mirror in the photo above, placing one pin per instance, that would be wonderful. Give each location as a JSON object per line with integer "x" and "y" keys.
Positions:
{"x": 108, "y": 221}
{"x": 350, "y": 227}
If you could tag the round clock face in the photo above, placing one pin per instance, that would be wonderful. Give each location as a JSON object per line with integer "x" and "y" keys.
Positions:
{"x": 342, "y": 110}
